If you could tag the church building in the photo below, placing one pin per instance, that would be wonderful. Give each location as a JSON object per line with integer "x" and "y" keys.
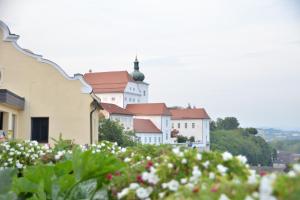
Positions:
{"x": 119, "y": 87}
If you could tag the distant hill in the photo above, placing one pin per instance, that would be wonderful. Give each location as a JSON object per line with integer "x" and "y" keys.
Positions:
{"x": 270, "y": 134}
{"x": 238, "y": 142}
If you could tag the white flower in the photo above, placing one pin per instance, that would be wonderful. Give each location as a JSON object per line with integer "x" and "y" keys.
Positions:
{"x": 173, "y": 185}
{"x": 153, "y": 178}
{"x": 206, "y": 164}
{"x": 161, "y": 195}
{"x": 211, "y": 175}
{"x": 198, "y": 156}
{"x": 148, "y": 158}
{"x": 170, "y": 165}
{"x": 291, "y": 173}
{"x": 242, "y": 159}
{"x": 143, "y": 193}
{"x": 19, "y": 165}
{"x": 164, "y": 185}
{"x": 196, "y": 172}
{"x": 252, "y": 179}
{"x": 190, "y": 186}
{"x": 123, "y": 193}
{"x": 265, "y": 188}
{"x": 227, "y": 156}
{"x": 183, "y": 181}
{"x": 248, "y": 198}
{"x": 296, "y": 168}
{"x": 180, "y": 154}
{"x": 11, "y": 153}
{"x": 184, "y": 161}
{"x": 123, "y": 150}
{"x": 57, "y": 156}
{"x": 223, "y": 197}
{"x": 127, "y": 159}
{"x": 176, "y": 150}
{"x": 134, "y": 186}
{"x": 222, "y": 169}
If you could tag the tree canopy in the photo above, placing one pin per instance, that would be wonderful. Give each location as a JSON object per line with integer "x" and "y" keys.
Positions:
{"x": 113, "y": 131}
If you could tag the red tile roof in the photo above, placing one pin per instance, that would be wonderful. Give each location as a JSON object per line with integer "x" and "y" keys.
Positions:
{"x": 148, "y": 109}
{"x": 106, "y": 82}
{"x": 144, "y": 126}
{"x": 114, "y": 109}
{"x": 195, "y": 113}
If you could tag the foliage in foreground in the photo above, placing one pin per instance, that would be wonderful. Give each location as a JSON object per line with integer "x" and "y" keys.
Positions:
{"x": 107, "y": 171}
{"x": 238, "y": 142}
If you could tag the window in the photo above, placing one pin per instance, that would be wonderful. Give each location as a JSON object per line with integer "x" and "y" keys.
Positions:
{"x": 113, "y": 98}
{"x": 139, "y": 139}
{"x": 172, "y": 125}
{"x": 133, "y": 99}
{"x": 178, "y": 125}
{"x": 185, "y": 125}
{"x": 133, "y": 89}
{"x": 193, "y": 125}
{"x": 40, "y": 129}
{"x": 144, "y": 93}
{"x": 167, "y": 123}
{"x": 129, "y": 99}
{"x": 149, "y": 139}
{"x": 158, "y": 139}
{"x": 145, "y": 140}
{"x": 155, "y": 140}
{"x": 167, "y": 136}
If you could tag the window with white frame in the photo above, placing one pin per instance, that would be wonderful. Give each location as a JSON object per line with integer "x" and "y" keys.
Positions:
{"x": 155, "y": 140}
{"x": 185, "y": 125}
{"x": 149, "y": 139}
{"x": 178, "y": 125}
{"x": 113, "y": 98}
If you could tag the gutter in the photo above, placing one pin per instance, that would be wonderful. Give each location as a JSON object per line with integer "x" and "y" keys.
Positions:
{"x": 96, "y": 105}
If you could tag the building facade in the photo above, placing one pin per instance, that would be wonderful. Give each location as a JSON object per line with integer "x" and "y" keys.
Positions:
{"x": 39, "y": 101}
{"x": 146, "y": 132}
{"x": 192, "y": 123}
{"x": 119, "y": 87}
{"x": 116, "y": 113}
{"x": 157, "y": 113}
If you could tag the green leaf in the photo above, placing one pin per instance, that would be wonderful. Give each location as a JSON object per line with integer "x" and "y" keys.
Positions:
{"x": 6, "y": 177}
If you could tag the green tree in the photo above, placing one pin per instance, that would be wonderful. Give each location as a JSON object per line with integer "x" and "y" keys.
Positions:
{"x": 252, "y": 131}
{"x": 212, "y": 125}
{"x": 181, "y": 139}
{"x": 228, "y": 123}
{"x": 192, "y": 139}
{"x": 113, "y": 131}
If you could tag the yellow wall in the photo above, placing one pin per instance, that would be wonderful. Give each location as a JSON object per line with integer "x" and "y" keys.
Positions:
{"x": 47, "y": 93}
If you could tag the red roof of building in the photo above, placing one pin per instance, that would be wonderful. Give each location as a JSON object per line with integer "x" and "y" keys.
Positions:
{"x": 114, "y": 109}
{"x": 144, "y": 126}
{"x": 148, "y": 109}
{"x": 195, "y": 113}
{"x": 106, "y": 82}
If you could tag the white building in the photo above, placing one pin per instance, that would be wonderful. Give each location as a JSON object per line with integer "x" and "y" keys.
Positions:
{"x": 116, "y": 113}
{"x": 119, "y": 87}
{"x": 158, "y": 113}
{"x": 192, "y": 122}
{"x": 146, "y": 131}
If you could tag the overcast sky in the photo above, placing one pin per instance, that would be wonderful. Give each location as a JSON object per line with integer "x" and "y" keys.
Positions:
{"x": 233, "y": 57}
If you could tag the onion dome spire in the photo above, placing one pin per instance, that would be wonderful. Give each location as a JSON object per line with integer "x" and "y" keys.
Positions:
{"x": 136, "y": 74}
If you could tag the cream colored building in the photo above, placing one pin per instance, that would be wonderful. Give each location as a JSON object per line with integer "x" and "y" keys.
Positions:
{"x": 38, "y": 100}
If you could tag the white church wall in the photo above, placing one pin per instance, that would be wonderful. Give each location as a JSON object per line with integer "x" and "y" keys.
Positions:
{"x": 114, "y": 98}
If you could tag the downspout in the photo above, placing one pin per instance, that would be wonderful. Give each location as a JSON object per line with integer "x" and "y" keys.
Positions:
{"x": 91, "y": 125}
{"x": 95, "y": 105}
